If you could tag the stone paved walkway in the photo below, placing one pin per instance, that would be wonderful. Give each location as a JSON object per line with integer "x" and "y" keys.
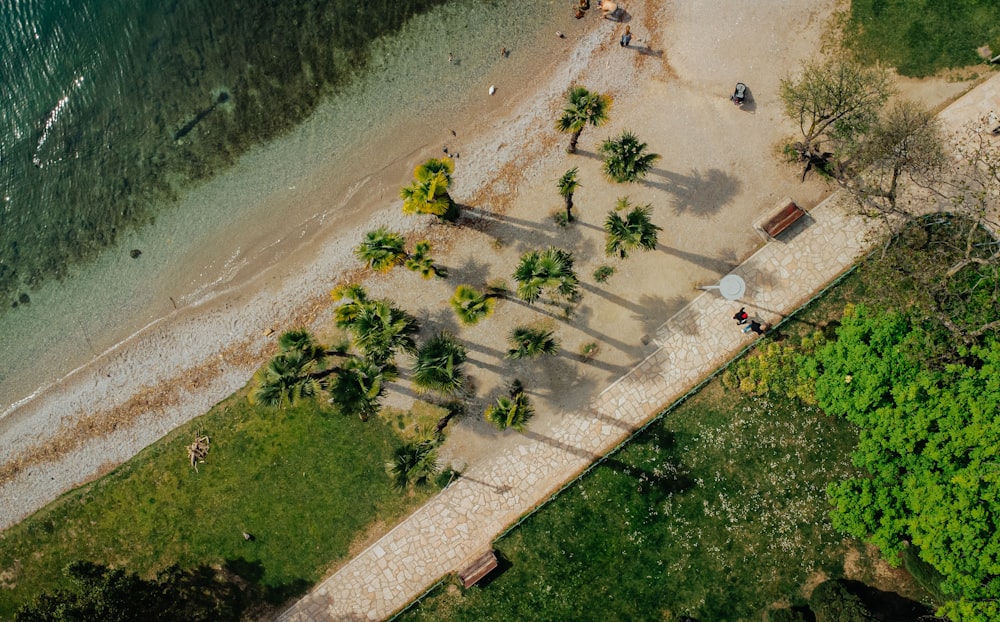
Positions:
{"x": 462, "y": 521}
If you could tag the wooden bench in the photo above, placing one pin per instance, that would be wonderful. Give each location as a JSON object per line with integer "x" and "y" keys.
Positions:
{"x": 783, "y": 216}
{"x": 482, "y": 566}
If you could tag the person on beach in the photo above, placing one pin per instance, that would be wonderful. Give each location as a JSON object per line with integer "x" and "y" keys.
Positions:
{"x": 741, "y": 316}
{"x": 627, "y": 37}
{"x": 607, "y": 8}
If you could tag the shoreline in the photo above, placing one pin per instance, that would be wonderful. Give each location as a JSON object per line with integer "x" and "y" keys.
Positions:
{"x": 177, "y": 366}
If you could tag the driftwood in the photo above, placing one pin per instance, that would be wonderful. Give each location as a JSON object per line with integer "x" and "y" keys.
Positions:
{"x": 197, "y": 451}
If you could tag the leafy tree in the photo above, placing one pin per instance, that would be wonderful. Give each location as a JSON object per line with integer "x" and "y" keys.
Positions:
{"x": 833, "y": 102}
{"x": 471, "y": 305}
{"x": 414, "y": 463}
{"x": 512, "y": 411}
{"x": 567, "y": 186}
{"x": 927, "y": 444}
{"x": 635, "y": 231}
{"x": 428, "y": 194}
{"x": 551, "y": 269}
{"x": 382, "y": 249}
{"x": 96, "y": 592}
{"x": 439, "y": 365}
{"x": 527, "y": 342}
{"x": 625, "y": 158}
{"x": 583, "y": 108}
{"x": 358, "y": 386}
{"x": 905, "y": 142}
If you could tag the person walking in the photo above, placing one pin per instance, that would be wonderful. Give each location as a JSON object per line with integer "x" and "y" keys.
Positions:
{"x": 627, "y": 37}
{"x": 741, "y": 316}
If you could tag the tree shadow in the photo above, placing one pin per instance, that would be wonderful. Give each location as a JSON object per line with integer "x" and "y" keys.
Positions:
{"x": 887, "y": 606}
{"x": 656, "y": 485}
{"x": 581, "y": 316}
{"x": 252, "y": 572}
{"x": 701, "y": 194}
{"x": 569, "y": 385}
{"x": 718, "y": 265}
{"x": 524, "y": 235}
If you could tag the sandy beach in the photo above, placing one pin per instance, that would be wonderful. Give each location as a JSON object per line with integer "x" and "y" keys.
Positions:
{"x": 718, "y": 172}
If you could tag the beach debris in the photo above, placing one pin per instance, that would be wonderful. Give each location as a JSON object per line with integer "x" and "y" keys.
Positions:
{"x": 560, "y": 35}
{"x": 197, "y": 451}
{"x": 454, "y": 133}
{"x": 504, "y": 52}
{"x": 451, "y": 58}
{"x": 493, "y": 89}
{"x": 134, "y": 253}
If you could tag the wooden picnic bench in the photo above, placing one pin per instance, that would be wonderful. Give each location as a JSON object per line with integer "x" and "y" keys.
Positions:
{"x": 482, "y": 566}
{"x": 783, "y": 216}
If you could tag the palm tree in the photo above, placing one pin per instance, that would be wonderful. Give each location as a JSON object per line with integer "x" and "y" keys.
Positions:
{"x": 471, "y": 305}
{"x": 548, "y": 269}
{"x": 421, "y": 262}
{"x": 288, "y": 379}
{"x": 353, "y": 297}
{"x": 382, "y": 249}
{"x": 358, "y": 387}
{"x": 439, "y": 365}
{"x": 300, "y": 339}
{"x": 294, "y": 374}
{"x": 582, "y": 108}
{"x": 527, "y": 342}
{"x": 567, "y": 186}
{"x": 413, "y": 463}
{"x": 624, "y": 158}
{"x": 634, "y": 232}
{"x": 428, "y": 194}
{"x": 380, "y": 329}
{"x": 511, "y": 412}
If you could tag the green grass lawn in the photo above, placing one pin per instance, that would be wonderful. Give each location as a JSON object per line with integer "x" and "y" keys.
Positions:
{"x": 922, "y": 37}
{"x": 716, "y": 511}
{"x": 305, "y": 482}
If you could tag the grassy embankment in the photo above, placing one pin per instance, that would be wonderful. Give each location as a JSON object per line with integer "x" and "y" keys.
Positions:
{"x": 305, "y": 481}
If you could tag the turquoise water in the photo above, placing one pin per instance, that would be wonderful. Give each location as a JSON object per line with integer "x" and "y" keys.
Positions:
{"x": 160, "y": 125}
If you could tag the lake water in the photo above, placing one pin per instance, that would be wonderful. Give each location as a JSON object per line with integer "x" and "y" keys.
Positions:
{"x": 159, "y": 126}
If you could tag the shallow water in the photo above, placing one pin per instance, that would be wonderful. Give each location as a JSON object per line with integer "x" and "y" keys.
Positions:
{"x": 120, "y": 127}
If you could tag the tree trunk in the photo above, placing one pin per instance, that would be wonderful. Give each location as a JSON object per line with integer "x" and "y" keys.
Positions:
{"x": 569, "y": 207}
{"x": 573, "y": 140}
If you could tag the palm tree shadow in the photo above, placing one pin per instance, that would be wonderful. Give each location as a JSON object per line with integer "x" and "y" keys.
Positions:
{"x": 718, "y": 265}
{"x": 525, "y": 235}
{"x": 567, "y": 384}
{"x": 700, "y": 194}
{"x": 580, "y": 320}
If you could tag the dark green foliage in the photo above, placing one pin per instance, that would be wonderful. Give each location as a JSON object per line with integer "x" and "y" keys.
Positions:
{"x": 413, "y": 464}
{"x": 357, "y": 387}
{"x": 96, "y": 592}
{"x": 527, "y": 342}
{"x": 602, "y": 274}
{"x": 439, "y": 365}
{"x": 922, "y": 37}
{"x": 831, "y": 601}
{"x": 786, "y": 615}
{"x": 635, "y": 231}
{"x": 626, "y": 159}
{"x": 551, "y": 269}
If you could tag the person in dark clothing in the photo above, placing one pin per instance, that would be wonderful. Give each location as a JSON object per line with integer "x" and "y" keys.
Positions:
{"x": 741, "y": 316}
{"x": 756, "y": 327}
